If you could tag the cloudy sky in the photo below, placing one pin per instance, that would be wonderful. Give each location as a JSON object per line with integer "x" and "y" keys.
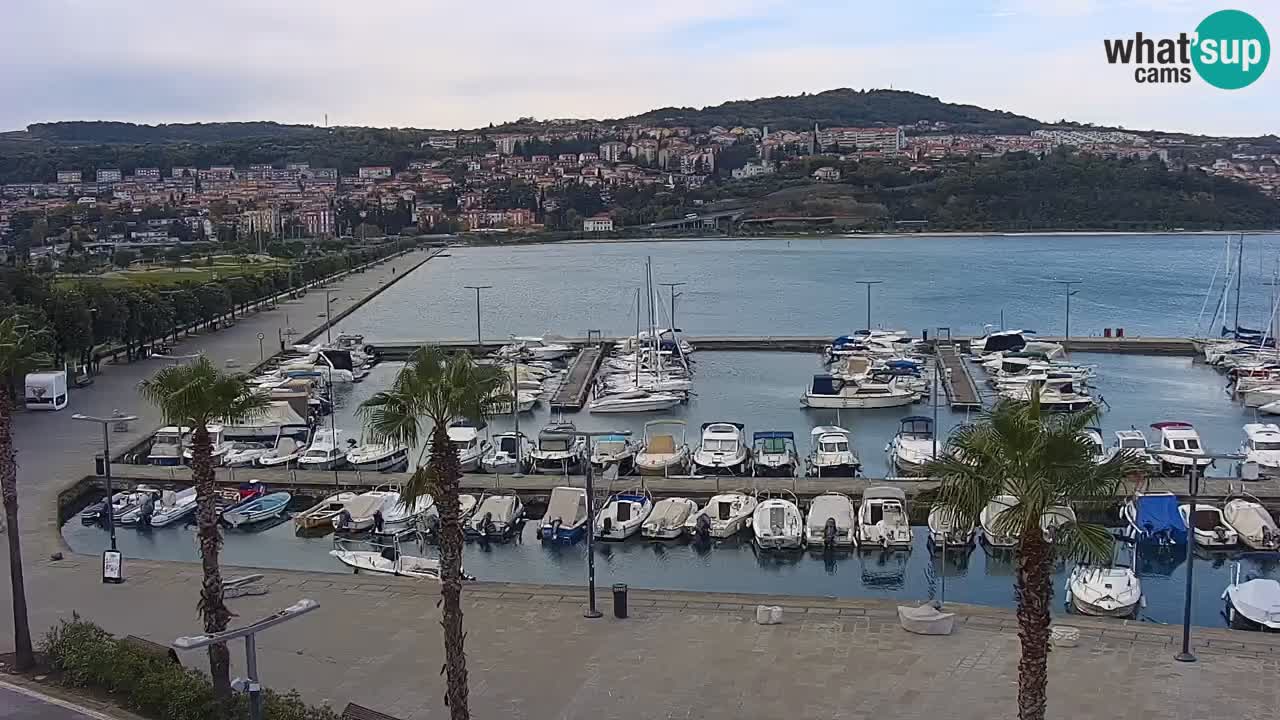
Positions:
{"x": 464, "y": 63}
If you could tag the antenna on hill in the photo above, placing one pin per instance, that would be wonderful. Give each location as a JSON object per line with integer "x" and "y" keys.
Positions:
{"x": 326, "y": 119}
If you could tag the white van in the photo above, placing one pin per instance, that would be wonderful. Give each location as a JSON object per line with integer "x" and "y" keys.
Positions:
{"x": 47, "y": 390}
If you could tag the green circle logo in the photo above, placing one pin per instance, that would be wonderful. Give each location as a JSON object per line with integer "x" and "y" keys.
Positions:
{"x": 1232, "y": 49}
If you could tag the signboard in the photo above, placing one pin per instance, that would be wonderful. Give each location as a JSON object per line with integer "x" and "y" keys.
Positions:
{"x": 112, "y": 566}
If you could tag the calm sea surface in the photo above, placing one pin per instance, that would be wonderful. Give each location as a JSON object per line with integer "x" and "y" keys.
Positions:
{"x": 1153, "y": 285}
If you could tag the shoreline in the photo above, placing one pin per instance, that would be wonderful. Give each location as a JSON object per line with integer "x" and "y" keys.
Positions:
{"x": 934, "y": 235}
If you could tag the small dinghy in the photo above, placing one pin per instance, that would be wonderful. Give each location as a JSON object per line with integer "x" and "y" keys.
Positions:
{"x": 1104, "y": 591}
{"x": 496, "y": 517}
{"x": 623, "y": 515}
{"x": 988, "y": 520}
{"x": 322, "y": 513}
{"x": 566, "y": 518}
{"x": 832, "y": 523}
{"x": 777, "y": 522}
{"x": 257, "y": 509}
{"x": 1253, "y": 604}
{"x": 162, "y": 508}
{"x": 1252, "y": 523}
{"x": 947, "y": 529}
{"x": 1208, "y": 526}
{"x": 724, "y": 516}
{"x": 666, "y": 521}
{"x": 385, "y": 560}
{"x": 883, "y": 520}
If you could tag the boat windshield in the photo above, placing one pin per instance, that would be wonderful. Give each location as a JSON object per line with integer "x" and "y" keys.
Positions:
{"x": 463, "y": 444}
{"x": 834, "y": 446}
{"x": 720, "y": 445}
{"x": 1133, "y": 444}
{"x": 1266, "y": 445}
{"x": 774, "y": 446}
{"x": 316, "y": 453}
{"x": 554, "y": 444}
{"x": 507, "y": 445}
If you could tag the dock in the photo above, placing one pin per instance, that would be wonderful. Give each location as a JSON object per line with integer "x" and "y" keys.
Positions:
{"x": 962, "y": 391}
{"x": 576, "y": 386}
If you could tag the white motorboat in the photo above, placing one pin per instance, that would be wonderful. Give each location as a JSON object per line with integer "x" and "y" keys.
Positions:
{"x": 1134, "y": 443}
{"x": 832, "y": 522}
{"x": 614, "y": 450}
{"x": 322, "y": 513}
{"x": 287, "y": 450}
{"x": 378, "y": 457}
{"x": 724, "y": 516}
{"x": 1271, "y": 408}
{"x": 496, "y": 517}
{"x": 466, "y": 440}
{"x": 947, "y": 528}
{"x": 624, "y": 513}
{"x": 335, "y": 366}
{"x": 526, "y": 400}
{"x": 663, "y": 451}
{"x": 1253, "y": 604}
{"x": 634, "y": 400}
{"x": 667, "y": 519}
{"x": 914, "y": 445}
{"x": 559, "y": 449}
{"x": 398, "y": 516}
{"x": 995, "y": 535}
{"x": 324, "y": 452}
{"x": 1253, "y": 524}
{"x": 1153, "y": 518}
{"x": 994, "y": 342}
{"x": 1094, "y": 436}
{"x": 1055, "y": 517}
{"x": 244, "y": 454}
{"x": 1208, "y": 526}
{"x": 1056, "y": 393}
{"x": 777, "y": 523}
{"x": 1261, "y": 446}
{"x": 168, "y": 445}
{"x": 877, "y": 391}
{"x": 548, "y": 347}
{"x": 509, "y": 454}
{"x": 831, "y": 453}
{"x": 1183, "y": 437}
{"x": 1261, "y": 396}
{"x": 386, "y": 560}
{"x": 883, "y": 520}
{"x": 773, "y": 454}
{"x": 1104, "y": 590}
{"x": 566, "y": 517}
{"x": 365, "y": 511}
{"x": 220, "y": 444}
{"x": 157, "y": 508}
{"x": 723, "y": 450}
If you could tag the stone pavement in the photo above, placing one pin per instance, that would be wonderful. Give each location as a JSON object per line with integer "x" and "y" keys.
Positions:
{"x": 31, "y": 702}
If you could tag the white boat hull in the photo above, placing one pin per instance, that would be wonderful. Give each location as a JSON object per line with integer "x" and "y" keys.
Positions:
{"x": 835, "y": 402}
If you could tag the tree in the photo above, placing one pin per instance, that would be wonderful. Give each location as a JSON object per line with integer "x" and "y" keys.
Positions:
{"x": 18, "y": 355}
{"x": 194, "y": 396}
{"x": 438, "y": 388}
{"x": 123, "y": 258}
{"x": 1042, "y": 461}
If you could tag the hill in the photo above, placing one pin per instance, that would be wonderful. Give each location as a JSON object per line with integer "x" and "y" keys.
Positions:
{"x": 97, "y": 131}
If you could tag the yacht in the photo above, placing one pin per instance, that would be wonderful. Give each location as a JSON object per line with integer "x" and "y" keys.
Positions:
{"x": 773, "y": 454}
{"x": 623, "y": 514}
{"x": 466, "y": 440}
{"x": 324, "y": 452}
{"x": 378, "y": 457}
{"x": 566, "y": 518}
{"x": 1180, "y": 436}
{"x": 946, "y": 528}
{"x": 993, "y": 532}
{"x": 1153, "y": 518}
{"x": 617, "y": 450}
{"x": 496, "y": 517}
{"x": 724, "y": 516}
{"x": 217, "y": 440}
{"x": 877, "y": 391}
{"x": 883, "y": 520}
{"x": 668, "y": 517}
{"x": 831, "y": 453}
{"x": 663, "y": 451}
{"x": 168, "y": 445}
{"x": 777, "y": 523}
{"x": 559, "y": 449}
{"x": 1208, "y": 526}
{"x": 723, "y": 450}
{"x": 832, "y": 522}
{"x": 913, "y": 447}
{"x": 994, "y": 342}
{"x": 1262, "y": 446}
{"x": 1135, "y": 443}
{"x": 634, "y": 400}
{"x": 508, "y": 455}
{"x": 1255, "y": 527}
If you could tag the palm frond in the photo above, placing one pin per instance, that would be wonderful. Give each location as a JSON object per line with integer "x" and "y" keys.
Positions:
{"x": 1087, "y": 542}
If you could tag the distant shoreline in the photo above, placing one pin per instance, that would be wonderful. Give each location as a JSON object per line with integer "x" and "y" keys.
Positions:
{"x": 938, "y": 235}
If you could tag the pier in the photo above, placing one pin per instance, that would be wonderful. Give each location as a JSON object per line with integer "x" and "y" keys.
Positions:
{"x": 576, "y": 386}
{"x": 962, "y": 391}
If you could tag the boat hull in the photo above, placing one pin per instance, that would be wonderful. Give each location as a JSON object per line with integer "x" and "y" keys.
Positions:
{"x": 785, "y": 468}
{"x": 780, "y": 542}
{"x": 842, "y": 470}
{"x": 396, "y": 462}
{"x": 561, "y": 534}
{"x": 672, "y": 465}
{"x": 1118, "y": 611}
{"x": 835, "y": 402}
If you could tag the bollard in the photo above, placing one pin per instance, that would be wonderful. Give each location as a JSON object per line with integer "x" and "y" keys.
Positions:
{"x": 620, "y": 600}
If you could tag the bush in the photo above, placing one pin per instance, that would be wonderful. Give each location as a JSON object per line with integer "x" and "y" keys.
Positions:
{"x": 89, "y": 657}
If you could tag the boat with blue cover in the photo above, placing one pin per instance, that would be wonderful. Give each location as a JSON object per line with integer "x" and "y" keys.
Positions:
{"x": 257, "y": 509}
{"x": 774, "y": 454}
{"x": 1153, "y": 518}
{"x": 566, "y": 517}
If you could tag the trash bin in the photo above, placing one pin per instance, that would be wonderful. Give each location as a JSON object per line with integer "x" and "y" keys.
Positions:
{"x": 99, "y": 466}
{"x": 620, "y": 600}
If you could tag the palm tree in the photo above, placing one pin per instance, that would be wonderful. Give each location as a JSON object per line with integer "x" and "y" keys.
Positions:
{"x": 438, "y": 388}
{"x": 19, "y": 353}
{"x": 194, "y": 396}
{"x": 1043, "y": 461}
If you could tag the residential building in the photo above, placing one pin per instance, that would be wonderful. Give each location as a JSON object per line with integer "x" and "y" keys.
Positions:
{"x": 826, "y": 174}
{"x": 109, "y": 176}
{"x": 68, "y": 176}
{"x": 442, "y": 142}
{"x": 506, "y": 144}
{"x": 751, "y": 170}
{"x": 266, "y": 220}
{"x": 854, "y": 138}
{"x": 598, "y": 223}
{"x": 182, "y": 172}
{"x": 299, "y": 166}
{"x": 374, "y": 172}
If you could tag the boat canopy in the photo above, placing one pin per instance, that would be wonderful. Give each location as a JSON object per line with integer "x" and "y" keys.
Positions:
{"x": 1003, "y": 341}
{"x": 712, "y": 426}
{"x": 884, "y": 493}
{"x": 773, "y": 434}
{"x": 826, "y": 385}
{"x": 1159, "y": 514}
{"x": 916, "y": 425}
{"x": 1172, "y": 425}
{"x": 828, "y": 429}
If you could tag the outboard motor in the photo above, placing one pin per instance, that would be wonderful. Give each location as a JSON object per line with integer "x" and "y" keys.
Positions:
{"x": 702, "y": 528}
{"x": 146, "y": 511}
{"x": 607, "y": 525}
{"x": 377, "y": 521}
{"x": 829, "y": 534}
{"x": 344, "y": 521}
{"x": 1220, "y": 533}
{"x": 554, "y": 530}
{"x": 487, "y": 528}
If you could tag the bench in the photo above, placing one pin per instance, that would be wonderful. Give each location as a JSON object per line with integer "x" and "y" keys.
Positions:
{"x": 154, "y": 649}
{"x": 360, "y": 712}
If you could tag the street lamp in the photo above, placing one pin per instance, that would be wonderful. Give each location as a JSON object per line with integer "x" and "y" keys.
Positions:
{"x": 1193, "y": 488}
{"x": 478, "y": 288}
{"x": 1066, "y": 286}
{"x": 674, "y": 295}
{"x": 328, "y": 318}
{"x": 116, "y": 417}
{"x": 592, "y": 612}
{"x": 868, "y": 283}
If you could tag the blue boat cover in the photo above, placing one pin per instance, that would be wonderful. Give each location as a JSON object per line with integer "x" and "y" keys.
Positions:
{"x": 773, "y": 434}
{"x": 1158, "y": 514}
{"x": 903, "y": 364}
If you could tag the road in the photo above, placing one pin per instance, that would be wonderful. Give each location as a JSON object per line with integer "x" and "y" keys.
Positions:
{"x": 19, "y": 704}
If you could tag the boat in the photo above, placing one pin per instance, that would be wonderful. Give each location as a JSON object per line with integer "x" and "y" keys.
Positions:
{"x": 723, "y": 516}
{"x": 988, "y": 519}
{"x": 777, "y": 523}
{"x": 1182, "y": 437}
{"x": 1133, "y": 442}
{"x": 1055, "y": 393}
{"x": 1001, "y": 341}
{"x": 1261, "y": 447}
{"x": 217, "y": 440}
{"x": 624, "y": 513}
{"x": 167, "y": 446}
{"x": 667, "y": 519}
{"x": 723, "y": 450}
{"x": 1153, "y": 518}
{"x": 1208, "y": 526}
{"x": 559, "y": 449}
{"x": 832, "y": 523}
{"x": 634, "y": 400}
{"x": 1093, "y": 436}
{"x": 1104, "y": 590}
{"x": 548, "y": 347}
{"x": 244, "y": 453}
{"x": 257, "y": 509}
{"x": 1253, "y": 604}
{"x": 947, "y": 528}
{"x": 882, "y": 518}
{"x": 508, "y": 455}
{"x": 1055, "y": 517}
{"x": 914, "y": 446}
{"x": 386, "y": 560}
{"x": 614, "y": 450}
{"x": 1254, "y": 526}
{"x": 663, "y": 450}
{"x": 566, "y": 517}
{"x": 121, "y": 503}
{"x": 397, "y": 516}
{"x": 880, "y": 390}
{"x": 496, "y": 517}
{"x": 464, "y": 436}
{"x": 157, "y": 508}
{"x": 773, "y": 454}
{"x": 324, "y": 452}
{"x": 378, "y": 457}
{"x": 831, "y": 453}
{"x": 321, "y": 514}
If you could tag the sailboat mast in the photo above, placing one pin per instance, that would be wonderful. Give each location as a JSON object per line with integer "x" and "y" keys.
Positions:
{"x": 1239, "y": 279}
{"x": 515, "y": 401}
{"x": 636, "y": 360}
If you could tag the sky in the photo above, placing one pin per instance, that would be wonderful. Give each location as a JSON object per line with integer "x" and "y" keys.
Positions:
{"x": 451, "y": 64}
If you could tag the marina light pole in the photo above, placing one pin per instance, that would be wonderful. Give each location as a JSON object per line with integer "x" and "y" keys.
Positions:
{"x": 674, "y": 295}
{"x": 869, "y": 283}
{"x": 116, "y": 417}
{"x": 328, "y": 318}
{"x": 1066, "y": 285}
{"x": 478, "y": 288}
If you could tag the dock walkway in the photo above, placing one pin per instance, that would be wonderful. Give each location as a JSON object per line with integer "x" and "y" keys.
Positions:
{"x": 576, "y": 386}
{"x": 962, "y": 391}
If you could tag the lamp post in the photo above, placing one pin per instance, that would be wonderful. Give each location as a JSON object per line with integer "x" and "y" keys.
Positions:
{"x": 328, "y": 318}
{"x": 674, "y": 295}
{"x": 592, "y": 612}
{"x": 869, "y": 283}
{"x": 478, "y": 288}
{"x": 1193, "y": 489}
{"x": 1066, "y": 286}
{"x": 106, "y": 462}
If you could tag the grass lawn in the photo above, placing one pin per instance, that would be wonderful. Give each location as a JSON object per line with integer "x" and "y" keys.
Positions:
{"x": 163, "y": 275}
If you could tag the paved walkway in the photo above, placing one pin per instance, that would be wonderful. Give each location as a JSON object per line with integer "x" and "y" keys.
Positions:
{"x": 22, "y": 702}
